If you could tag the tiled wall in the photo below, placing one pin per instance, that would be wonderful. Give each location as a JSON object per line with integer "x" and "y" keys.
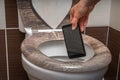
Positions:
{"x": 112, "y": 40}
{"x": 114, "y": 46}
{"x": 11, "y": 38}
{"x": 119, "y": 68}
{"x": 3, "y": 66}
{"x": 2, "y": 14}
{"x": 10, "y": 41}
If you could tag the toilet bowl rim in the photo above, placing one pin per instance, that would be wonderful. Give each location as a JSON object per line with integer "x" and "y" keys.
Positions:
{"x": 38, "y": 58}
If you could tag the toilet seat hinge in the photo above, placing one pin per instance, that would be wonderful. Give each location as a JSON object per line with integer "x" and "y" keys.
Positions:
{"x": 28, "y": 32}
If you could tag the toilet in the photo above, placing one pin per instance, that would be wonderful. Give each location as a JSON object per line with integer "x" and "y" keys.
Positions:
{"x": 44, "y": 55}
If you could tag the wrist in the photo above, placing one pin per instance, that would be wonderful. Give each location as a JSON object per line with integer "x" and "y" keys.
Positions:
{"x": 89, "y": 3}
{"x": 85, "y": 2}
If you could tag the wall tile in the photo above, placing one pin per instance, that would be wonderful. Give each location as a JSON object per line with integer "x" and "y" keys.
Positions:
{"x": 3, "y": 68}
{"x": 11, "y": 13}
{"x": 99, "y": 33}
{"x": 15, "y": 67}
{"x": 2, "y": 14}
{"x": 119, "y": 68}
{"x": 114, "y": 46}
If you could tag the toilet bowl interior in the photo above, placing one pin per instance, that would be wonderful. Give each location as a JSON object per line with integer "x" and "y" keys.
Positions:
{"x": 56, "y": 49}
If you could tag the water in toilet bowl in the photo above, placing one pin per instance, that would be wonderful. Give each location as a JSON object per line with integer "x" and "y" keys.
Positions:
{"x": 57, "y": 50}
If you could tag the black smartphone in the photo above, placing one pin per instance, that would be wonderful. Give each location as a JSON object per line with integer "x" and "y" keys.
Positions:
{"x": 74, "y": 42}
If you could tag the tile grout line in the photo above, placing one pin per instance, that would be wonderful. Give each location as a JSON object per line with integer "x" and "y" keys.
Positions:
{"x": 11, "y": 28}
{"x": 107, "y": 38}
{"x": 117, "y": 76}
{"x": 8, "y": 28}
{"x": 7, "y": 62}
{"x": 6, "y": 46}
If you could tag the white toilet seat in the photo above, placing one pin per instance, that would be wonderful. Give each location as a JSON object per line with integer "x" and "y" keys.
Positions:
{"x": 30, "y": 50}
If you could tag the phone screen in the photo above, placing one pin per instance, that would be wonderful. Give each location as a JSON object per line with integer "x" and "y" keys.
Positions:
{"x": 73, "y": 41}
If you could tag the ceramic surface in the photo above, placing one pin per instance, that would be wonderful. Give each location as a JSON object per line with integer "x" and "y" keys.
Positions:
{"x": 56, "y": 49}
{"x": 30, "y": 49}
{"x": 31, "y": 19}
{"x": 38, "y": 73}
{"x": 30, "y": 45}
{"x": 52, "y": 11}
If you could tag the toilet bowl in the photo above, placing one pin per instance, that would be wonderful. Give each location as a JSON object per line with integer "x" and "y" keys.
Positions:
{"x": 44, "y": 55}
{"x": 44, "y": 58}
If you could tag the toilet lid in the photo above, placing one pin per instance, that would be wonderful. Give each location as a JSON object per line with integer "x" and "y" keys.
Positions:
{"x": 30, "y": 49}
{"x": 52, "y": 12}
{"x": 31, "y": 16}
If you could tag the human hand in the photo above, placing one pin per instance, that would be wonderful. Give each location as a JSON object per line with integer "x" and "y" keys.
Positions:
{"x": 79, "y": 14}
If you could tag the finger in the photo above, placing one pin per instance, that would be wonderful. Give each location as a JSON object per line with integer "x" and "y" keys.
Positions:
{"x": 71, "y": 18}
{"x": 75, "y": 19}
{"x": 81, "y": 23}
{"x": 71, "y": 15}
{"x": 85, "y": 21}
{"x": 74, "y": 23}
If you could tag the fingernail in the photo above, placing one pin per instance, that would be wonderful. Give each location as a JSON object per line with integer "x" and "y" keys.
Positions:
{"x": 74, "y": 26}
